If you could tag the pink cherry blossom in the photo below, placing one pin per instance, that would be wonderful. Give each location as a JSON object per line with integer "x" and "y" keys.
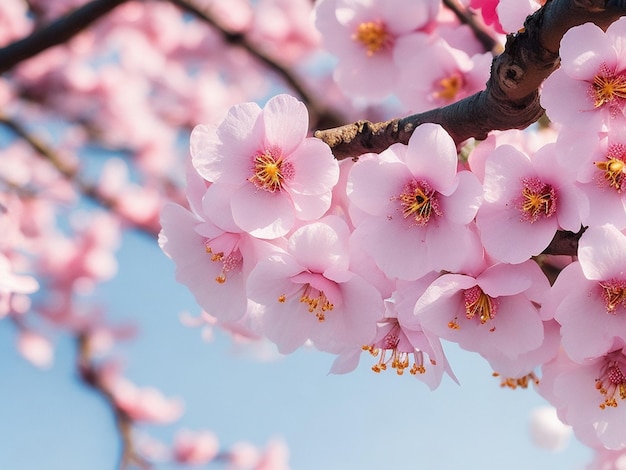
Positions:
{"x": 600, "y": 161}
{"x": 144, "y": 404}
{"x": 589, "y": 296}
{"x": 526, "y": 201}
{"x": 494, "y": 313}
{"x": 308, "y": 292}
{"x": 12, "y": 283}
{"x": 590, "y": 397}
{"x": 417, "y": 205}
{"x": 35, "y": 348}
{"x": 589, "y": 89}
{"x": 363, "y": 34}
{"x": 513, "y": 13}
{"x": 195, "y": 448}
{"x": 451, "y": 74}
{"x": 261, "y": 161}
{"x": 547, "y": 431}
{"x": 488, "y": 11}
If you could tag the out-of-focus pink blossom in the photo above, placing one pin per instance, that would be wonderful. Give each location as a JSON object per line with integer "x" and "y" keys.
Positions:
{"x": 547, "y": 431}
{"x": 363, "y": 35}
{"x": 144, "y": 404}
{"x": 195, "y": 447}
{"x": 35, "y": 348}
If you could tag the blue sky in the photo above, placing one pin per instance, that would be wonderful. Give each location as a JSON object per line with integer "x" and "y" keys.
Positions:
{"x": 363, "y": 420}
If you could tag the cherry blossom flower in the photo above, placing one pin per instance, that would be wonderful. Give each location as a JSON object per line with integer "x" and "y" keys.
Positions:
{"x": 589, "y": 89}
{"x": 209, "y": 261}
{"x": 35, "y": 348}
{"x": 261, "y": 161}
{"x": 363, "y": 34}
{"x": 417, "y": 205}
{"x": 451, "y": 74}
{"x": 590, "y": 396}
{"x": 547, "y": 431}
{"x": 601, "y": 168}
{"x": 309, "y": 292}
{"x": 195, "y": 448}
{"x": 493, "y": 313}
{"x": 589, "y": 296}
{"x": 12, "y": 283}
{"x": 526, "y": 202}
{"x": 144, "y": 404}
{"x": 512, "y": 13}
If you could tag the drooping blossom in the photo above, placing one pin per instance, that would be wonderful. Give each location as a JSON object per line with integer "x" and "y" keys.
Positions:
{"x": 417, "y": 205}
{"x": 262, "y": 163}
{"x": 588, "y": 91}
{"x": 493, "y": 313}
{"x": 309, "y": 292}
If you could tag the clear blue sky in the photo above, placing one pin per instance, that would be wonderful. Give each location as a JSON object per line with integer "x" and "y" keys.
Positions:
{"x": 48, "y": 420}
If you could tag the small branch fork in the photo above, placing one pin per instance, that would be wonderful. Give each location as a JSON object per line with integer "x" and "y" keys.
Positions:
{"x": 511, "y": 97}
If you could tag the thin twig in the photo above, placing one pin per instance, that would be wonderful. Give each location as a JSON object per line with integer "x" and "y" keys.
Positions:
{"x": 89, "y": 373}
{"x": 321, "y": 116}
{"x": 57, "y": 32}
{"x": 71, "y": 174}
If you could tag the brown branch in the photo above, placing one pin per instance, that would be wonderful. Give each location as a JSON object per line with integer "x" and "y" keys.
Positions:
{"x": 71, "y": 174}
{"x": 55, "y": 33}
{"x": 320, "y": 115}
{"x": 89, "y": 373}
{"x": 511, "y": 98}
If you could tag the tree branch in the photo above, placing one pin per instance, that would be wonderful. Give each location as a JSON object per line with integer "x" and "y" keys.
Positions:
{"x": 71, "y": 174}
{"x": 318, "y": 113}
{"x": 55, "y": 33}
{"x": 511, "y": 97}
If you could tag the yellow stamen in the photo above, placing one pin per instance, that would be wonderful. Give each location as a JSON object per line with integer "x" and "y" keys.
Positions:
{"x": 614, "y": 170}
{"x": 374, "y": 36}
{"x": 450, "y": 87}
{"x": 608, "y": 87}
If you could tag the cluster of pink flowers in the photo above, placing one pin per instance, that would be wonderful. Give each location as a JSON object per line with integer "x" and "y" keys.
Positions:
{"x": 396, "y": 251}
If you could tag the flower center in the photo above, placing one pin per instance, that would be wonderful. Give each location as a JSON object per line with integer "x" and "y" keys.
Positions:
{"x": 607, "y": 87}
{"x": 374, "y": 36}
{"x": 614, "y": 167}
{"x": 479, "y": 304}
{"x": 390, "y": 352}
{"x": 270, "y": 170}
{"x": 537, "y": 199}
{"x": 316, "y": 300}
{"x": 611, "y": 383}
{"x": 231, "y": 261}
{"x": 418, "y": 201}
{"x": 614, "y": 294}
{"x": 449, "y": 87}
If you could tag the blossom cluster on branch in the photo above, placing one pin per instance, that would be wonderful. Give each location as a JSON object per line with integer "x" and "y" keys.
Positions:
{"x": 387, "y": 237}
